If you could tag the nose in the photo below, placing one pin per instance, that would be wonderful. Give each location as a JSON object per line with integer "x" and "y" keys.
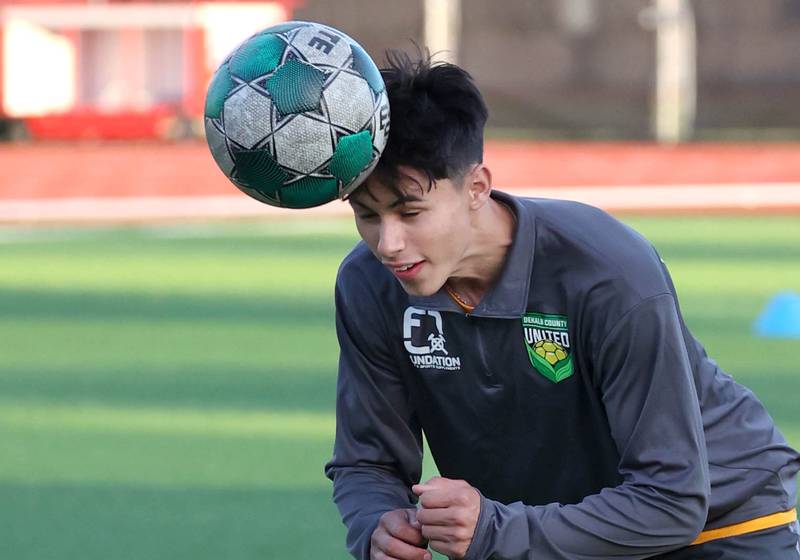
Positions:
{"x": 391, "y": 239}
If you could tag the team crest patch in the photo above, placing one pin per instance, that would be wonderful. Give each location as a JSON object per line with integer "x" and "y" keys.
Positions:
{"x": 547, "y": 341}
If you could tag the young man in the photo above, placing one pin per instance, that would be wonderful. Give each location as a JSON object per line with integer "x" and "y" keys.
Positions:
{"x": 539, "y": 346}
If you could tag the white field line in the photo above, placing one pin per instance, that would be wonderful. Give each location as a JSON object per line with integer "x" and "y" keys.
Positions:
{"x": 734, "y": 197}
{"x": 744, "y": 197}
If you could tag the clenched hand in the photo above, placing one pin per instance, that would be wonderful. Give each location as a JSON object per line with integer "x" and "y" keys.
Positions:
{"x": 448, "y": 514}
{"x": 398, "y": 537}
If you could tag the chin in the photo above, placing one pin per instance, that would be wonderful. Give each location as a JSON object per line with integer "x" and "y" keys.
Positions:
{"x": 421, "y": 290}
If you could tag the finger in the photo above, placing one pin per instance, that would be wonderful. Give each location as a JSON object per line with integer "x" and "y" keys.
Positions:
{"x": 376, "y": 554}
{"x": 397, "y": 549}
{"x": 439, "y": 498}
{"x": 400, "y": 528}
{"x": 448, "y": 533}
{"x": 437, "y": 533}
{"x": 426, "y": 487}
{"x": 430, "y": 484}
{"x": 412, "y": 518}
{"x": 437, "y": 516}
{"x": 385, "y": 546}
{"x": 439, "y": 483}
{"x": 380, "y": 555}
{"x": 420, "y": 488}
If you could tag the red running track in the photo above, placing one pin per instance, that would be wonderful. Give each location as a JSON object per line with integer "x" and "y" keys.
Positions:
{"x": 763, "y": 177}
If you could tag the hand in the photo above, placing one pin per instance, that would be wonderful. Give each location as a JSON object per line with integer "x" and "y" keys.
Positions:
{"x": 398, "y": 537}
{"x": 448, "y": 514}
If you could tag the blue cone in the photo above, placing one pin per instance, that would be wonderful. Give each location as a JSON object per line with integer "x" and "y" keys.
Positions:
{"x": 781, "y": 317}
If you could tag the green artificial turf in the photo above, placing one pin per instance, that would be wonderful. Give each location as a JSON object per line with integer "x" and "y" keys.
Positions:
{"x": 168, "y": 392}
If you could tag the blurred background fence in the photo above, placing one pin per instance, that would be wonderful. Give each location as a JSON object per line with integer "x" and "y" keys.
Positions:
{"x": 549, "y": 68}
{"x": 587, "y": 68}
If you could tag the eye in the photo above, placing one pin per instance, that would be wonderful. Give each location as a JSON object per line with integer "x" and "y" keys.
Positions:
{"x": 367, "y": 217}
{"x": 410, "y": 213}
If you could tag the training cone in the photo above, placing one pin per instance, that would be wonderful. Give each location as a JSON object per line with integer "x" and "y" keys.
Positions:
{"x": 781, "y": 317}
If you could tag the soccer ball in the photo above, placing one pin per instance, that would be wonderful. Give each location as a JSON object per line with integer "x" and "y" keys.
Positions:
{"x": 297, "y": 115}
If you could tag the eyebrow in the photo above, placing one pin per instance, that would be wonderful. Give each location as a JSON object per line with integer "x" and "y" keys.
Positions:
{"x": 404, "y": 199}
{"x": 363, "y": 206}
{"x": 398, "y": 202}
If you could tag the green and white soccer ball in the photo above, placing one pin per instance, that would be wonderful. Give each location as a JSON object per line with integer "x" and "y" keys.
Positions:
{"x": 297, "y": 115}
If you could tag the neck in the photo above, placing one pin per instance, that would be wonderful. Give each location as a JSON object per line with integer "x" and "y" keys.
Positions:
{"x": 492, "y": 233}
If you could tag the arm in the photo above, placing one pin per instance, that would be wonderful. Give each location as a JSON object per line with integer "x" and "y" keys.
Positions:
{"x": 378, "y": 449}
{"x": 652, "y": 407}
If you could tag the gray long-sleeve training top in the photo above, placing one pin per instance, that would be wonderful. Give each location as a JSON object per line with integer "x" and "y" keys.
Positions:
{"x": 573, "y": 397}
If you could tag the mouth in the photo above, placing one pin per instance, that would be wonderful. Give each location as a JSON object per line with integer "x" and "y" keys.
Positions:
{"x": 406, "y": 271}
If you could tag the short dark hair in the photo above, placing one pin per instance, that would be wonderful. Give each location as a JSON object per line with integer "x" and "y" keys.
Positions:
{"x": 437, "y": 116}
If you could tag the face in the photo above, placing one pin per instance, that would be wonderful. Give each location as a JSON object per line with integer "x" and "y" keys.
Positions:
{"x": 423, "y": 236}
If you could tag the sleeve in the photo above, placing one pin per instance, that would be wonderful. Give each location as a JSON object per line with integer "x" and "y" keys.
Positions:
{"x": 653, "y": 412}
{"x": 377, "y": 454}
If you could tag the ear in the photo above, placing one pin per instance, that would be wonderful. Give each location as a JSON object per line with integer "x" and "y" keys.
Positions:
{"x": 479, "y": 184}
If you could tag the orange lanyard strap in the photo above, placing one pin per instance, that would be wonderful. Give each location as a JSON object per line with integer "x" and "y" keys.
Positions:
{"x": 750, "y": 526}
{"x": 461, "y": 303}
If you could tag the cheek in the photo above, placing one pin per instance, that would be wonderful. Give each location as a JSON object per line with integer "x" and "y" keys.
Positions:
{"x": 444, "y": 235}
{"x": 368, "y": 234}
{"x": 454, "y": 224}
{"x": 458, "y": 236}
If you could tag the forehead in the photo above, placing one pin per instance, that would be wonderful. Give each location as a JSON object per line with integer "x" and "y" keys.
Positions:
{"x": 409, "y": 185}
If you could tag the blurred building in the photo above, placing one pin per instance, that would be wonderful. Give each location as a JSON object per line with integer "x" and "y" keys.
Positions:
{"x": 116, "y": 69}
{"x": 548, "y": 68}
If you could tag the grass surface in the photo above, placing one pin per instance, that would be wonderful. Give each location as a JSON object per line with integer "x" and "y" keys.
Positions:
{"x": 168, "y": 392}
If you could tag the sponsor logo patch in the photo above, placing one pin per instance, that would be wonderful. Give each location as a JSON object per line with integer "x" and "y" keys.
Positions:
{"x": 423, "y": 337}
{"x": 547, "y": 342}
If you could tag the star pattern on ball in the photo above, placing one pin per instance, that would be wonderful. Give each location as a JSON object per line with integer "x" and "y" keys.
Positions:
{"x": 297, "y": 115}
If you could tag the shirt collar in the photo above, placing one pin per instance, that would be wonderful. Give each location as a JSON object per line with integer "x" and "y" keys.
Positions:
{"x": 508, "y": 297}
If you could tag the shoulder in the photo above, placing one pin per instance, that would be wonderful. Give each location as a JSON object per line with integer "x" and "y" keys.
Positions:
{"x": 600, "y": 270}
{"x": 597, "y": 247}
{"x": 595, "y": 229}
